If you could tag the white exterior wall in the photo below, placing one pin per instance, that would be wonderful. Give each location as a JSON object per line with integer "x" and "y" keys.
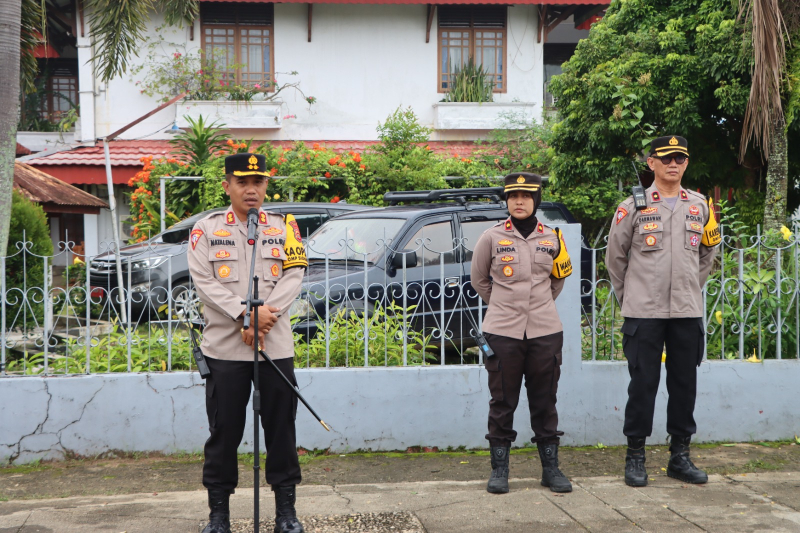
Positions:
{"x": 362, "y": 63}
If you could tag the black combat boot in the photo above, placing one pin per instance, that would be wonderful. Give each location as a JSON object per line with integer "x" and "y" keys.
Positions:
{"x": 285, "y": 516}
{"x": 498, "y": 481}
{"x": 551, "y": 476}
{"x": 219, "y": 519}
{"x": 635, "y": 473}
{"x": 680, "y": 466}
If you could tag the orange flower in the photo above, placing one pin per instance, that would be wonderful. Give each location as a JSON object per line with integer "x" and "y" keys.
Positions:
{"x": 357, "y": 158}
{"x": 272, "y": 171}
{"x": 327, "y": 174}
{"x": 496, "y": 161}
{"x": 313, "y": 180}
{"x": 316, "y": 146}
{"x": 146, "y": 179}
{"x": 362, "y": 167}
{"x": 335, "y": 199}
{"x": 230, "y": 142}
{"x": 333, "y": 160}
{"x": 342, "y": 165}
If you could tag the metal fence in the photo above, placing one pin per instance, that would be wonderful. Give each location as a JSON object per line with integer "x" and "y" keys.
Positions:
{"x": 359, "y": 306}
{"x": 752, "y": 309}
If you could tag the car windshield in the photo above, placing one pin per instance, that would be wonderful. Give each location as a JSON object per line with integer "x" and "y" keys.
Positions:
{"x": 353, "y": 238}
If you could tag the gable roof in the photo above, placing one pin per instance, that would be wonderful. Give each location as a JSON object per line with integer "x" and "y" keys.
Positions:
{"x": 52, "y": 193}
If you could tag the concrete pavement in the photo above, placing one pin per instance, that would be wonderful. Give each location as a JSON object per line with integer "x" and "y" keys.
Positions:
{"x": 765, "y": 502}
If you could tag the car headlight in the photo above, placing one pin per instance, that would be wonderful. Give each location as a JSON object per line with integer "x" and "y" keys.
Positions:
{"x": 147, "y": 264}
{"x": 301, "y": 308}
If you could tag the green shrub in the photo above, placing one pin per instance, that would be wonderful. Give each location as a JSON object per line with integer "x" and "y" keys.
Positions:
{"x": 24, "y": 270}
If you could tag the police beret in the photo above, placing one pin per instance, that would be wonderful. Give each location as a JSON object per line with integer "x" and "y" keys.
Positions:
{"x": 523, "y": 181}
{"x": 246, "y": 164}
{"x": 671, "y": 144}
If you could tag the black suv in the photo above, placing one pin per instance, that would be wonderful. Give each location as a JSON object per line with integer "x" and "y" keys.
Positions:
{"x": 148, "y": 266}
{"x": 416, "y": 257}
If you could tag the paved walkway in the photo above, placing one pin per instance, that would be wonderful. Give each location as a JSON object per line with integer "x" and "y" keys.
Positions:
{"x": 767, "y": 502}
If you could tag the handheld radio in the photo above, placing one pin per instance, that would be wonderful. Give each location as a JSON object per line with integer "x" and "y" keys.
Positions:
{"x": 639, "y": 198}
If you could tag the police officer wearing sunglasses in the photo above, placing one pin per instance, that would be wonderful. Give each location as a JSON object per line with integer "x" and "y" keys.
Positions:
{"x": 658, "y": 260}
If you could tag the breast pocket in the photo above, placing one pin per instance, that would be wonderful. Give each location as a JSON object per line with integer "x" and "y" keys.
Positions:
{"x": 652, "y": 234}
{"x": 693, "y": 235}
{"x": 506, "y": 267}
{"x": 225, "y": 262}
{"x": 272, "y": 258}
{"x": 542, "y": 264}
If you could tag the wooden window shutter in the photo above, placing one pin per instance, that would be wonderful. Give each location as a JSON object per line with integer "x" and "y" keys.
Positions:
{"x": 230, "y": 13}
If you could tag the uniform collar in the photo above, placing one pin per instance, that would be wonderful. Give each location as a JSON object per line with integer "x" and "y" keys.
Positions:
{"x": 230, "y": 217}
{"x": 509, "y": 227}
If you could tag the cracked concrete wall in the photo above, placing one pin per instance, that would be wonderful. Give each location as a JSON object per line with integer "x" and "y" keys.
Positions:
{"x": 384, "y": 408}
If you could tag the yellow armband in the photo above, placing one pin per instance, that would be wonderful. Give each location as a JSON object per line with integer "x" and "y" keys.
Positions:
{"x": 295, "y": 251}
{"x": 562, "y": 264}
{"x": 711, "y": 234}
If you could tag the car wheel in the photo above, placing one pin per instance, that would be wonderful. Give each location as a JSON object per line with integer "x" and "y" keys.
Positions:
{"x": 186, "y": 302}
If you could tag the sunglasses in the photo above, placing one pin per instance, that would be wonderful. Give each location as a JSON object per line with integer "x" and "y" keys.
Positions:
{"x": 667, "y": 159}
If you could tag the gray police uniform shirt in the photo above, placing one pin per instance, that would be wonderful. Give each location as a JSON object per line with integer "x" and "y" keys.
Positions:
{"x": 656, "y": 258}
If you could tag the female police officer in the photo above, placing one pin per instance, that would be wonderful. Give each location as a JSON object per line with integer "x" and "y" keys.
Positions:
{"x": 519, "y": 267}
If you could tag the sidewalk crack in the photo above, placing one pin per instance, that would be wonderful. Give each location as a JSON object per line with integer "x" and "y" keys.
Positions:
{"x": 598, "y": 498}
{"x": 770, "y": 498}
{"x": 342, "y": 496}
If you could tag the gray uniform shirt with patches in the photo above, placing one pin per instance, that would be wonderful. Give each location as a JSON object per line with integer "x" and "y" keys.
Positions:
{"x": 219, "y": 261}
{"x": 656, "y": 260}
{"x": 513, "y": 274}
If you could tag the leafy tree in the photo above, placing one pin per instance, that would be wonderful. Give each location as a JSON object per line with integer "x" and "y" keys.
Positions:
{"x": 652, "y": 68}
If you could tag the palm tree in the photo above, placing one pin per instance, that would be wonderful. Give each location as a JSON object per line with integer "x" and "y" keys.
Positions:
{"x": 116, "y": 28}
{"x": 765, "y": 120}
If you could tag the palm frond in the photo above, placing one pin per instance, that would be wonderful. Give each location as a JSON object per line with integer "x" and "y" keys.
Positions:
{"x": 764, "y": 107}
{"x": 177, "y": 12}
{"x": 34, "y": 24}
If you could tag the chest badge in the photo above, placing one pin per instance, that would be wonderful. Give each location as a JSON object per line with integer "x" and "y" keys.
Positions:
{"x": 694, "y": 210}
{"x": 696, "y": 226}
{"x": 224, "y": 271}
{"x": 275, "y": 270}
{"x": 546, "y": 243}
{"x": 508, "y": 271}
{"x": 272, "y": 231}
{"x": 650, "y": 226}
{"x": 505, "y": 242}
{"x": 507, "y": 258}
{"x": 223, "y": 254}
{"x": 276, "y": 252}
{"x": 649, "y": 210}
{"x": 222, "y": 233}
{"x": 195, "y": 236}
{"x": 695, "y": 240}
{"x": 650, "y": 240}
{"x": 621, "y": 213}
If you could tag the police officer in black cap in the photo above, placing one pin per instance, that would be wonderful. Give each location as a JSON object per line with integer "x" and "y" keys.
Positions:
{"x": 518, "y": 268}
{"x": 219, "y": 261}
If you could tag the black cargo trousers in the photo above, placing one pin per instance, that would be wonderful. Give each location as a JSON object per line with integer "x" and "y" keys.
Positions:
{"x": 228, "y": 390}
{"x": 643, "y": 342}
{"x": 538, "y": 360}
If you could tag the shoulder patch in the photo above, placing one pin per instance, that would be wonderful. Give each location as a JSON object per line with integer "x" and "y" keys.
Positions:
{"x": 622, "y": 213}
{"x": 295, "y": 229}
{"x": 194, "y": 237}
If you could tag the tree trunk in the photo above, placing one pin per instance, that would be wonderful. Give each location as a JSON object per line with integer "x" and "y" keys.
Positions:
{"x": 10, "y": 27}
{"x": 777, "y": 173}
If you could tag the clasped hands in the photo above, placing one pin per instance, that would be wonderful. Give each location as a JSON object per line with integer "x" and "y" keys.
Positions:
{"x": 266, "y": 320}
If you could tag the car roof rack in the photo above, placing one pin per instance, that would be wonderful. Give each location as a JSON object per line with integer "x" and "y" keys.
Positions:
{"x": 437, "y": 195}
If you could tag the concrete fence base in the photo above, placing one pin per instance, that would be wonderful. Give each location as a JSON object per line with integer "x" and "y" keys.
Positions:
{"x": 377, "y": 409}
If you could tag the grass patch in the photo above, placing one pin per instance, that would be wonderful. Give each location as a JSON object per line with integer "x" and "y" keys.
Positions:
{"x": 3, "y": 498}
{"x": 34, "y": 466}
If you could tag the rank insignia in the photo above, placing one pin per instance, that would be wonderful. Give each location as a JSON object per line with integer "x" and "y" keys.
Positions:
{"x": 655, "y": 196}
{"x": 621, "y": 213}
{"x": 224, "y": 271}
{"x": 694, "y": 210}
{"x": 684, "y": 196}
{"x": 272, "y": 231}
{"x": 650, "y": 226}
{"x": 505, "y": 242}
{"x": 276, "y": 252}
{"x": 546, "y": 243}
{"x": 649, "y": 210}
{"x": 507, "y": 258}
{"x": 222, "y": 254}
{"x": 230, "y": 218}
{"x": 275, "y": 270}
{"x": 508, "y": 225}
{"x": 222, "y": 233}
{"x": 695, "y": 240}
{"x": 296, "y": 230}
{"x": 696, "y": 226}
{"x": 540, "y": 228}
{"x": 508, "y": 271}
{"x": 195, "y": 236}
{"x": 262, "y": 217}
{"x": 650, "y": 240}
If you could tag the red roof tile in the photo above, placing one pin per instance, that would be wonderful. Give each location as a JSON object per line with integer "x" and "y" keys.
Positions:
{"x": 129, "y": 153}
{"x": 21, "y": 150}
